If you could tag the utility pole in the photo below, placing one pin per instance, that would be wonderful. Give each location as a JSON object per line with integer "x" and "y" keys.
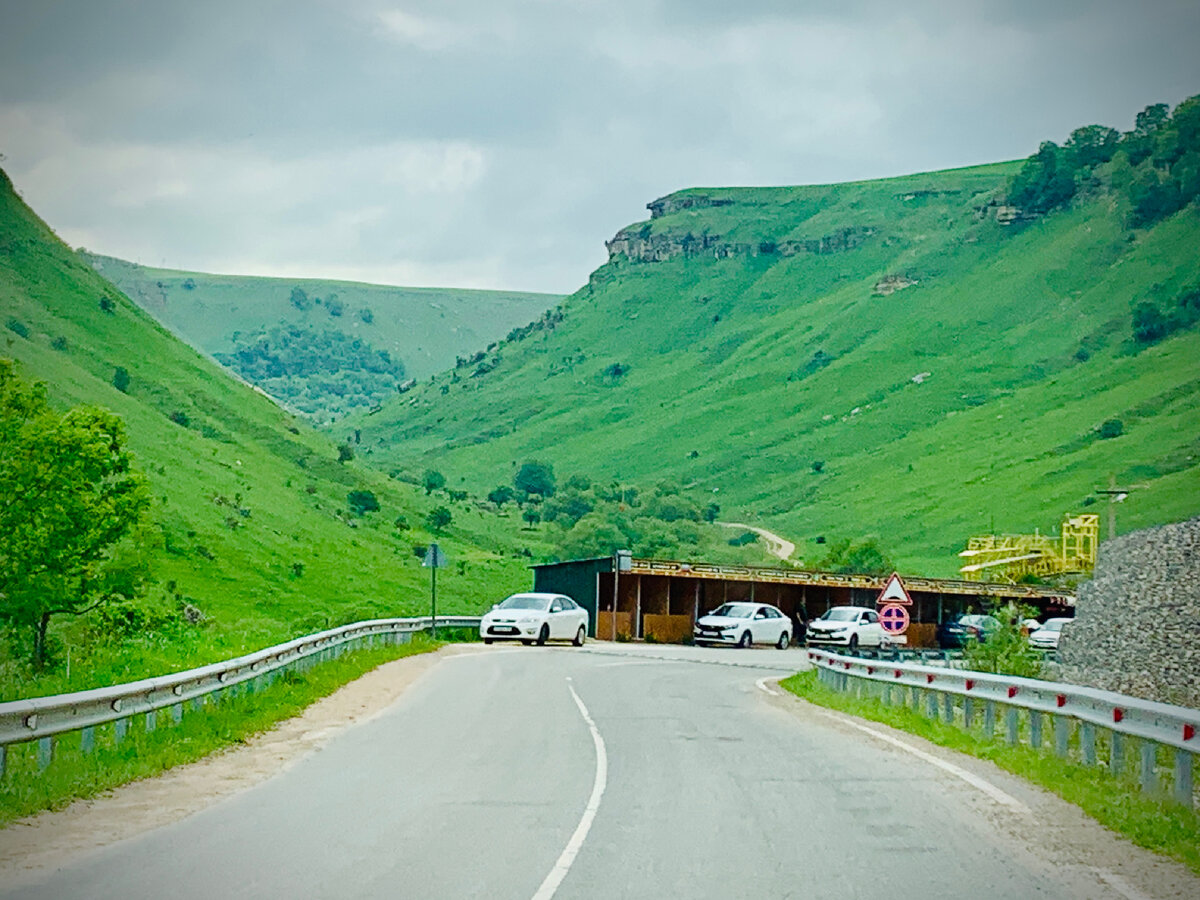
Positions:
{"x": 1115, "y": 496}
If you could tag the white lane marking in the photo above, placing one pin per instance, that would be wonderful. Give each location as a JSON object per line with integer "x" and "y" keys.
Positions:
{"x": 639, "y": 662}
{"x": 567, "y": 857}
{"x": 762, "y": 686}
{"x": 1120, "y": 885}
{"x": 987, "y": 787}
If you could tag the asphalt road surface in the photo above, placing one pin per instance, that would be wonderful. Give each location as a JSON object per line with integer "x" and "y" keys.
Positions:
{"x": 618, "y": 772}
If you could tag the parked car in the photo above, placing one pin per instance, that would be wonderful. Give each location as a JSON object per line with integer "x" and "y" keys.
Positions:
{"x": 1046, "y": 637}
{"x": 955, "y": 632}
{"x": 847, "y": 626}
{"x": 535, "y": 618}
{"x": 743, "y": 624}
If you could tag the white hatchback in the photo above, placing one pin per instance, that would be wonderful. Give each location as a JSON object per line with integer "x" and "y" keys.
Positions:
{"x": 535, "y": 619}
{"x": 1046, "y": 637}
{"x": 743, "y": 624}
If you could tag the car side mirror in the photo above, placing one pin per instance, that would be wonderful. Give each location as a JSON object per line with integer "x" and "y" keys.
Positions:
{"x": 495, "y": 606}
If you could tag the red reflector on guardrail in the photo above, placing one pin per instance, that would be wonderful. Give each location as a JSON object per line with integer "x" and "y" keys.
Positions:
{"x": 1061, "y": 699}
{"x": 929, "y": 679}
{"x": 898, "y": 673}
{"x": 870, "y": 670}
{"x": 970, "y": 683}
{"x": 1189, "y": 732}
{"x": 1012, "y": 690}
{"x": 1118, "y": 714}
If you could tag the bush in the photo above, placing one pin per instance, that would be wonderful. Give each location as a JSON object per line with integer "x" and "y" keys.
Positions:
{"x": 120, "y": 379}
{"x": 1006, "y": 650}
{"x": 439, "y": 518}
{"x": 1112, "y": 428}
{"x": 17, "y": 327}
{"x": 362, "y": 502}
{"x": 179, "y": 417}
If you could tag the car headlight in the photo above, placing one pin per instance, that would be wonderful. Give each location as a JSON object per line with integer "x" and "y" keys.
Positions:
{"x": 528, "y": 620}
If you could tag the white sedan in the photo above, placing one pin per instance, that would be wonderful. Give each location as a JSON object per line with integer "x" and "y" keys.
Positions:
{"x": 743, "y": 624}
{"x": 535, "y": 618}
{"x": 1046, "y": 637}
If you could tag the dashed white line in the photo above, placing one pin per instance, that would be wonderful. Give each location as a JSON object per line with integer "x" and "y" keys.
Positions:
{"x": 567, "y": 857}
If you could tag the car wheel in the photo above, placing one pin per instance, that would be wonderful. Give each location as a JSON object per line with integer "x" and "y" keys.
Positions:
{"x": 853, "y": 642}
{"x": 744, "y": 642}
{"x": 527, "y": 642}
{"x": 783, "y": 641}
{"x": 543, "y": 634}
{"x": 580, "y": 636}
{"x": 487, "y": 640}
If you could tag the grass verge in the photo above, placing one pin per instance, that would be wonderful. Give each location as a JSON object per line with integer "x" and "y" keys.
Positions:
{"x": 1116, "y": 803}
{"x": 74, "y": 775}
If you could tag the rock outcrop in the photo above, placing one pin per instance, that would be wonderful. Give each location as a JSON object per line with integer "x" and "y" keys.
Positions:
{"x": 1137, "y": 623}
{"x": 640, "y": 244}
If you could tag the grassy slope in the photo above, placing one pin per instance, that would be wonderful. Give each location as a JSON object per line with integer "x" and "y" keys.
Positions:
{"x": 238, "y": 443}
{"x": 425, "y": 328}
{"x": 1000, "y": 433}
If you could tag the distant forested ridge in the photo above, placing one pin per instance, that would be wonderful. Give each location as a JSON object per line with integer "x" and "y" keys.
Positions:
{"x": 321, "y": 373}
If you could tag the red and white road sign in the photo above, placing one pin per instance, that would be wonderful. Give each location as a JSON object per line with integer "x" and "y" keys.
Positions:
{"x": 894, "y": 592}
{"x": 893, "y": 618}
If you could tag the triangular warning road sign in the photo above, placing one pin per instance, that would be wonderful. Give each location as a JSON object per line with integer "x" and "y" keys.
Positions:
{"x": 894, "y": 592}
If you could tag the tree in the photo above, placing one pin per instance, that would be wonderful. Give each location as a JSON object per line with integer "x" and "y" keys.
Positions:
{"x": 432, "y": 480}
{"x": 501, "y": 495}
{"x": 1046, "y": 180}
{"x": 535, "y": 478}
{"x": 1091, "y": 145}
{"x": 345, "y": 453}
{"x": 299, "y": 298}
{"x": 71, "y": 495}
{"x": 711, "y": 512}
{"x": 439, "y": 518}
{"x": 362, "y": 502}
{"x": 531, "y": 516}
{"x": 1149, "y": 323}
{"x": 120, "y": 379}
{"x": 864, "y": 557}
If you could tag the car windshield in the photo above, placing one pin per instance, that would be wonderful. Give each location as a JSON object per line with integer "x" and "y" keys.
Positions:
{"x": 1053, "y": 625}
{"x": 524, "y": 601}
{"x": 841, "y": 614}
{"x": 734, "y": 610}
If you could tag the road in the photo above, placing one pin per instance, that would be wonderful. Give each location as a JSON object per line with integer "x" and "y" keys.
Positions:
{"x": 777, "y": 546}
{"x": 617, "y": 771}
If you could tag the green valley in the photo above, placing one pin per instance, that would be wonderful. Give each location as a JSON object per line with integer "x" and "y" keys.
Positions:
{"x": 320, "y": 347}
{"x": 913, "y": 359}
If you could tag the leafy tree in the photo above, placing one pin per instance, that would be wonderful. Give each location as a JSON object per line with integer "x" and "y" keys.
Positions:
{"x": 535, "y": 478}
{"x": 345, "y": 453}
{"x": 1045, "y": 182}
{"x": 711, "y": 512}
{"x": 299, "y": 299}
{"x": 120, "y": 379}
{"x": 71, "y": 495}
{"x": 501, "y": 495}
{"x": 848, "y": 557}
{"x": 1111, "y": 428}
{"x": 1091, "y": 145}
{"x": 439, "y": 518}
{"x": 401, "y": 522}
{"x": 579, "y": 483}
{"x": 432, "y": 480}
{"x": 1149, "y": 323}
{"x": 362, "y": 502}
{"x": 531, "y": 516}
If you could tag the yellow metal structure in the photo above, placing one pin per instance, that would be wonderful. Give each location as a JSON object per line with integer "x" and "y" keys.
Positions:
{"x": 1011, "y": 557}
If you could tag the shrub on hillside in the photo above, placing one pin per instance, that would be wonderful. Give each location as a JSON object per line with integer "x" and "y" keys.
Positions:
{"x": 362, "y": 502}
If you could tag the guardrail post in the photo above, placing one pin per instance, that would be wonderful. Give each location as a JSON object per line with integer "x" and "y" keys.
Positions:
{"x": 1014, "y": 733}
{"x": 87, "y": 740}
{"x": 1087, "y": 742}
{"x": 1062, "y": 734}
{"x": 1035, "y": 729}
{"x": 1149, "y": 757}
{"x": 177, "y": 713}
{"x": 151, "y": 720}
{"x": 968, "y": 713}
{"x": 1183, "y": 775}
{"x": 45, "y": 752}
{"x": 885, "y": 694}
{"x": 120, "y": 729}
{"x": 989, "y": 719}
{"x": 948, "y": 707}
{"x": 931, "y": 704}
{"x": 916, "y": 699}
{"x": 1116, "y": 757}
{"x": 4, "y": 760}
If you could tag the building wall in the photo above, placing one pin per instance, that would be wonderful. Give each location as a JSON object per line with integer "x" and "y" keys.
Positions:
{"x": 1137, "y": 623}
{"x": 575, "y": 579}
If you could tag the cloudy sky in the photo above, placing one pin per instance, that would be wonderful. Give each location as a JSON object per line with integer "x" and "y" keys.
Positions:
{"x": 498, "y": 143}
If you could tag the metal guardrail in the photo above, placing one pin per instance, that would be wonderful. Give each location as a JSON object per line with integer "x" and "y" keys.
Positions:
{"x": 957, "y": 695}
{"x": 45, "y": 718}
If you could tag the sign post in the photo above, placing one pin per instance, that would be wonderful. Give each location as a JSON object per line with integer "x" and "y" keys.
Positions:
{"x": 893, "y": 615}
{"x": 434, "y": 559}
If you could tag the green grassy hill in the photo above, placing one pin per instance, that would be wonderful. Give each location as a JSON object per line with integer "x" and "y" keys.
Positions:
{"x": 421, "y": 329}
{"x": 249, "y": 524}
{"x": 905, "y": 358}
